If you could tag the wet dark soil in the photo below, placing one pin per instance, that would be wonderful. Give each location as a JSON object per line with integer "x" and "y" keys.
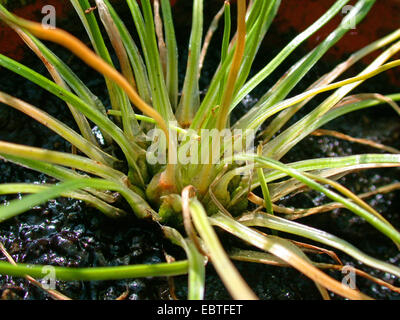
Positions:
{"x": 66, "y": 232}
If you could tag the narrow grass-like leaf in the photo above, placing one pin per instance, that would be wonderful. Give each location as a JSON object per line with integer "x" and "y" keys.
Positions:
{"x": 209, "y": 35}
{"x": 190, "y": 102}
{"x": 145, "y": 29}
{"x": 266, "y": 258}
{"x": 107, "y": 209}
{"x": 292, "y": 227}
{"x": 386, "y": 229}
{"x": 284, "y": 142}
{"x": 265, "y": 190}
{"x": 61, "y": 158}
{"x": 138, "y": 205}
{"x": 349, "y": 163}
{"x": 92, "y": 151}
{"x": 263, "y": 115}
{"x": 130, "y": 125}
{"x": 284, "y": 250}
{"x": 255, "y": 36}
{"x": 296, "y": 74}
{"x": 136, "y": 60}
{"x": 285, "y": 115}
{"x": 196, "y": 269}
{"x": 80, "y": 119}
{"x": 273, "y": 64}
{"x": 52, "y": 293}
{"x": 226, "y": 270}
{"x": 98, "y": 273}
{"x": 227, "y": 31}
{"x": 171, "y": 78}
{"x": 293, "y": 214}
{"x": 96, "y": 116}
{"x": 93, "y": 30}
